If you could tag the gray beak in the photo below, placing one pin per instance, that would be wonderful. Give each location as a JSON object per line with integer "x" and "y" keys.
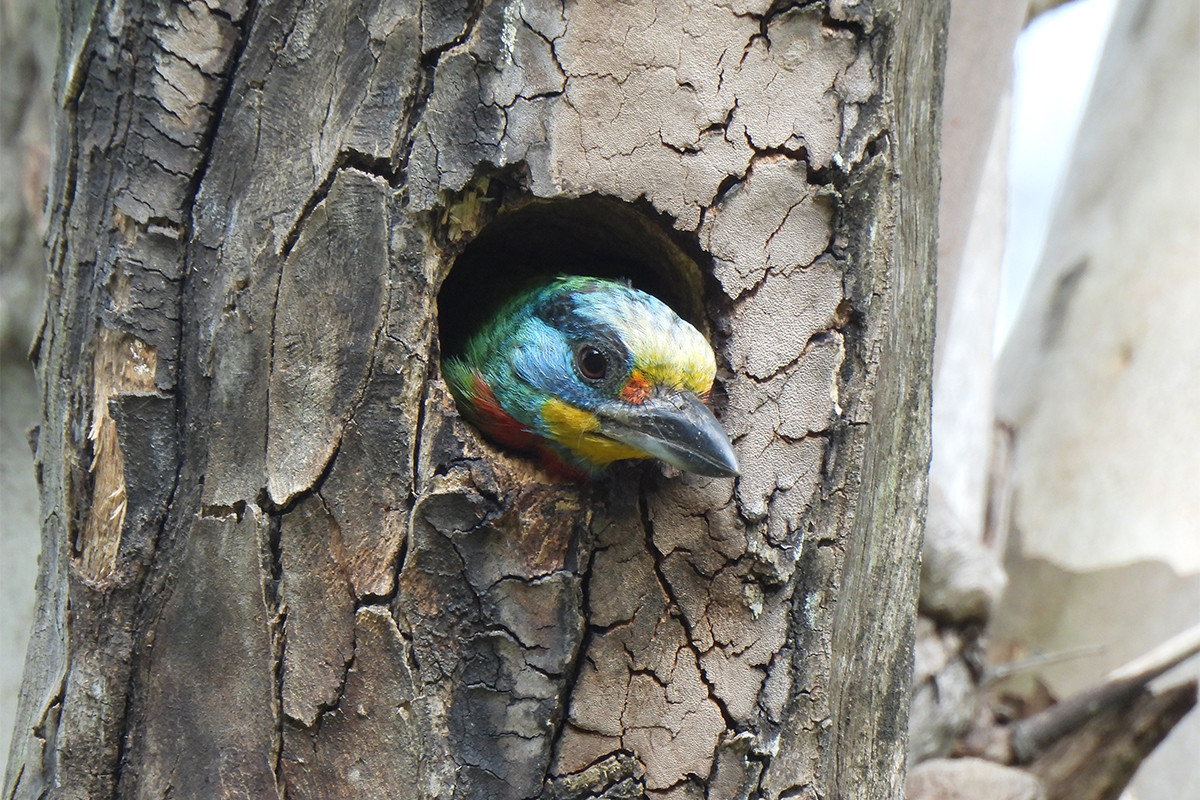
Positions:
{"x": 677, "y": 428}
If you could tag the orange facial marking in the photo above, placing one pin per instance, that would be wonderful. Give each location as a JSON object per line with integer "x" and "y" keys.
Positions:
{"x": 636, "y": 389}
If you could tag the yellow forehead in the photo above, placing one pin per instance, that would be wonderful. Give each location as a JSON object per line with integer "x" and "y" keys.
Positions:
{"x": 675, "y": 356}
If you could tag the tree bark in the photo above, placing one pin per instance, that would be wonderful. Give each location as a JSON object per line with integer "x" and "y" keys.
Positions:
{"x": 275, "y": 561}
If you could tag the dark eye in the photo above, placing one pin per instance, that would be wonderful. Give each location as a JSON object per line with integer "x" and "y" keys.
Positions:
{"x": 591, "y": 363}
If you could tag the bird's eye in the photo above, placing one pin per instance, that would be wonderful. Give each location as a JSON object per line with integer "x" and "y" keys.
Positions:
{"x": 591, "y": 363}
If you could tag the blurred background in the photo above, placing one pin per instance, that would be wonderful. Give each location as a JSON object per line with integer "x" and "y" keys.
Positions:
{"x": 1064, "y": 535}
{"x": 28, "y": 46}
{"x": 1064, "y": 524}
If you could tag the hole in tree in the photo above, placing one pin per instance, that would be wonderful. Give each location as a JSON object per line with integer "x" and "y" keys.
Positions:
{"x": 591, "y": 236}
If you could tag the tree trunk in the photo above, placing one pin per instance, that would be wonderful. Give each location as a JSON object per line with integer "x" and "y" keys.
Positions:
{"x": 275, "y": 562}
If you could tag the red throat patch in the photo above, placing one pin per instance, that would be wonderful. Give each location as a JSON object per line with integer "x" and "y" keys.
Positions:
{"x": 502, "y": 428}
{"x": 496, "y": 422}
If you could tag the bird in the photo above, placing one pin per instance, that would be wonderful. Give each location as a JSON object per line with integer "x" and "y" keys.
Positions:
{"x": 581, "y": 371}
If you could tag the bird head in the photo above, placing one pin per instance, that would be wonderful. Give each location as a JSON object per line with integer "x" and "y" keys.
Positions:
{"x": 584, "y": 372}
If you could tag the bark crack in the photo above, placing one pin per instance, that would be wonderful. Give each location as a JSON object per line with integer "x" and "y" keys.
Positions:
{"x": 277, "y": 622}
{"x": 418, "y": 101}
{"x": 220, "y": 103}
{"x": 656, "y": 557}
{"x": 574, "y": 666}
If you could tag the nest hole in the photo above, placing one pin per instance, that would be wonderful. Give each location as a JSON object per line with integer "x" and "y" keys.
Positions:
{"x": 591, "y": 236}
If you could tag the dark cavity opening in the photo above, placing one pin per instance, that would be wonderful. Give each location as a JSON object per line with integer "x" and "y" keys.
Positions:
{"x": 592, "y": 236}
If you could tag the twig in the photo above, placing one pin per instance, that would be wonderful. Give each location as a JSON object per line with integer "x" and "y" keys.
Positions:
{"x": 1033, "y": 735}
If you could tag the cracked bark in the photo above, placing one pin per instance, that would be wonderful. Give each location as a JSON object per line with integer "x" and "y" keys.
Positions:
{"x": 281, "y": 565}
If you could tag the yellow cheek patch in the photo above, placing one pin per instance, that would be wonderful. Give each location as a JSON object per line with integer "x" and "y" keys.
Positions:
{"x": 575, "y": 429}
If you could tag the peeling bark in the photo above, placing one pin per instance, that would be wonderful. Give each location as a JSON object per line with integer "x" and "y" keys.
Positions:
{"x": 323, "y": 583}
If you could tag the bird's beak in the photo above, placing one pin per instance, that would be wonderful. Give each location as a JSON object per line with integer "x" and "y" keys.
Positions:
{"x": 677, "y": 428}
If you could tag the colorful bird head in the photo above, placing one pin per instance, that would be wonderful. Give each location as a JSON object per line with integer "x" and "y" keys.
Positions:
{"x": 583, "y": 372}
